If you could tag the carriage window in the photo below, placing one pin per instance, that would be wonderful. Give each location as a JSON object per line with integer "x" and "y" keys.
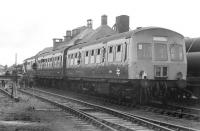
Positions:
{"x": 86, "y": 57}
{"x": 79, "y": 58}
{"x": 118, "y": 48}
{"x": 92, "y": 57}
{"x": 92, "y": 53}
{"x": 176, "y": 52}
{"x": 98, "y": 51}
{"x": 144, "y": 51}
{"x": 158, "y": 71}
{"x": 160, "y": 51}
{"x": 164, "y": 71}
{"x": 98, "y": 57}
{"x": 86, "y": 53}
{"x": 118, "y": 55}
{"x": 75, "y": 55}
{"x": 110, "y": 49}
{"x": 161, "y": 71}
{"x": 103, "y": 54}
{"x": 110, "y": 54}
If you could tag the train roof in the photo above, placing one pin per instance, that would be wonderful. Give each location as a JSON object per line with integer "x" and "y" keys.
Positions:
{"x": 32, "y": 57}
{"x": 117, "y": 36}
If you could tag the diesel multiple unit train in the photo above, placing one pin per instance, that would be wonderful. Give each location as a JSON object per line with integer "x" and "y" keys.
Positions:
{"x": 148, "y": 63}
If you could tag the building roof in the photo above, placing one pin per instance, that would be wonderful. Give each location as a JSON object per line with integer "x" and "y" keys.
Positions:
{"x": 100, "y": 32}
{"x": 45, "y": 50}
{"x": 81, "y": 36}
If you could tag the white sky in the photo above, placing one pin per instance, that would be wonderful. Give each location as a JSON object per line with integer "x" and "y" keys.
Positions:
{"x": 28, "y": 26}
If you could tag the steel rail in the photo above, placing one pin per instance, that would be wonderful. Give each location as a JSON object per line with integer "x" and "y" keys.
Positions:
{"x": 112, "y": 125}
{"x": 175, "y": 111}
{"x": 8, "y": 94}
{"x": 76, "y": 112}
{"x": 128, "y": 116}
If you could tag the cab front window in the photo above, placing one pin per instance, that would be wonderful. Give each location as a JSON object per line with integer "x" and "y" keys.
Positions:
{"x": 176, "y": 52}
{"x": 160, "y": 52}
{"x": 144, "y": 51}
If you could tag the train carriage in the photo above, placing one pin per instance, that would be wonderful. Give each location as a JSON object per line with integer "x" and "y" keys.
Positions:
{"x": 152, "y": 58}
{"x": 28, "y": 72}
{"x": 139, "y": 66}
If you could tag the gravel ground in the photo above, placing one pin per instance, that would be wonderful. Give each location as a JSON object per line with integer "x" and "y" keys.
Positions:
{"x": 30, "y": 114}
{"x": 172, "y": 120}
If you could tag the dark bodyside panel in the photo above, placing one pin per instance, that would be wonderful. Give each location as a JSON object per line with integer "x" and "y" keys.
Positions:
{"x": 50, "y": 73}
{"x": 100, "y": 71}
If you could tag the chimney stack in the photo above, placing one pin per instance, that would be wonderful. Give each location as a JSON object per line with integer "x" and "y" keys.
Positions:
{"x": 68, "y": 36}
{"x": 104, "y": 20}
{"x": 68, "y": 33}
{"x": 56, "y": 42}
{"x": 89, "y": 23}
{"x": 122, "y": 23}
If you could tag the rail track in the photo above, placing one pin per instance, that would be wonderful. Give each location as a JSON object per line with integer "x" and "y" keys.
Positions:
{"x": 170, "y": 110}
{"x": 173, "y": 111}
{"x": 9, "y": 94}
{"x": 107, "y": 118}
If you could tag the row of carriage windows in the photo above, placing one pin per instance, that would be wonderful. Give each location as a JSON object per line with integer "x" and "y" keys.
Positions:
{"x": 53, "y": 62}
{"x": 116, "y": 53}
{"x": 119, "y": 53}
{"x": 144, "y": 51}
{"x": 99, "y": 55}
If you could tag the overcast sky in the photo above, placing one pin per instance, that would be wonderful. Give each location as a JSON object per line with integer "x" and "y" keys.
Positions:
{"x": 28, "y": 26}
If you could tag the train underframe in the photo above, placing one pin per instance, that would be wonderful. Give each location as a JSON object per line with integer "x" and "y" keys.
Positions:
{"x": 139, "y": 91}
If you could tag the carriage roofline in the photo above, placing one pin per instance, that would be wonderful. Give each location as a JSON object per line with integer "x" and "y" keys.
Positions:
{"x": 104, "y": 39}
{"x": 118, "y": 36}
{"x": 32, "y": 57}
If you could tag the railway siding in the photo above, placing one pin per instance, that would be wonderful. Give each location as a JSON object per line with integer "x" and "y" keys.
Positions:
{"x": 127, "y": 116}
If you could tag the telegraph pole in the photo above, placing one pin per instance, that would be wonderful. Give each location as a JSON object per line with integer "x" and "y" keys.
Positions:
{"x": 16, "y": 79}
{"x": 15, "y": 58}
